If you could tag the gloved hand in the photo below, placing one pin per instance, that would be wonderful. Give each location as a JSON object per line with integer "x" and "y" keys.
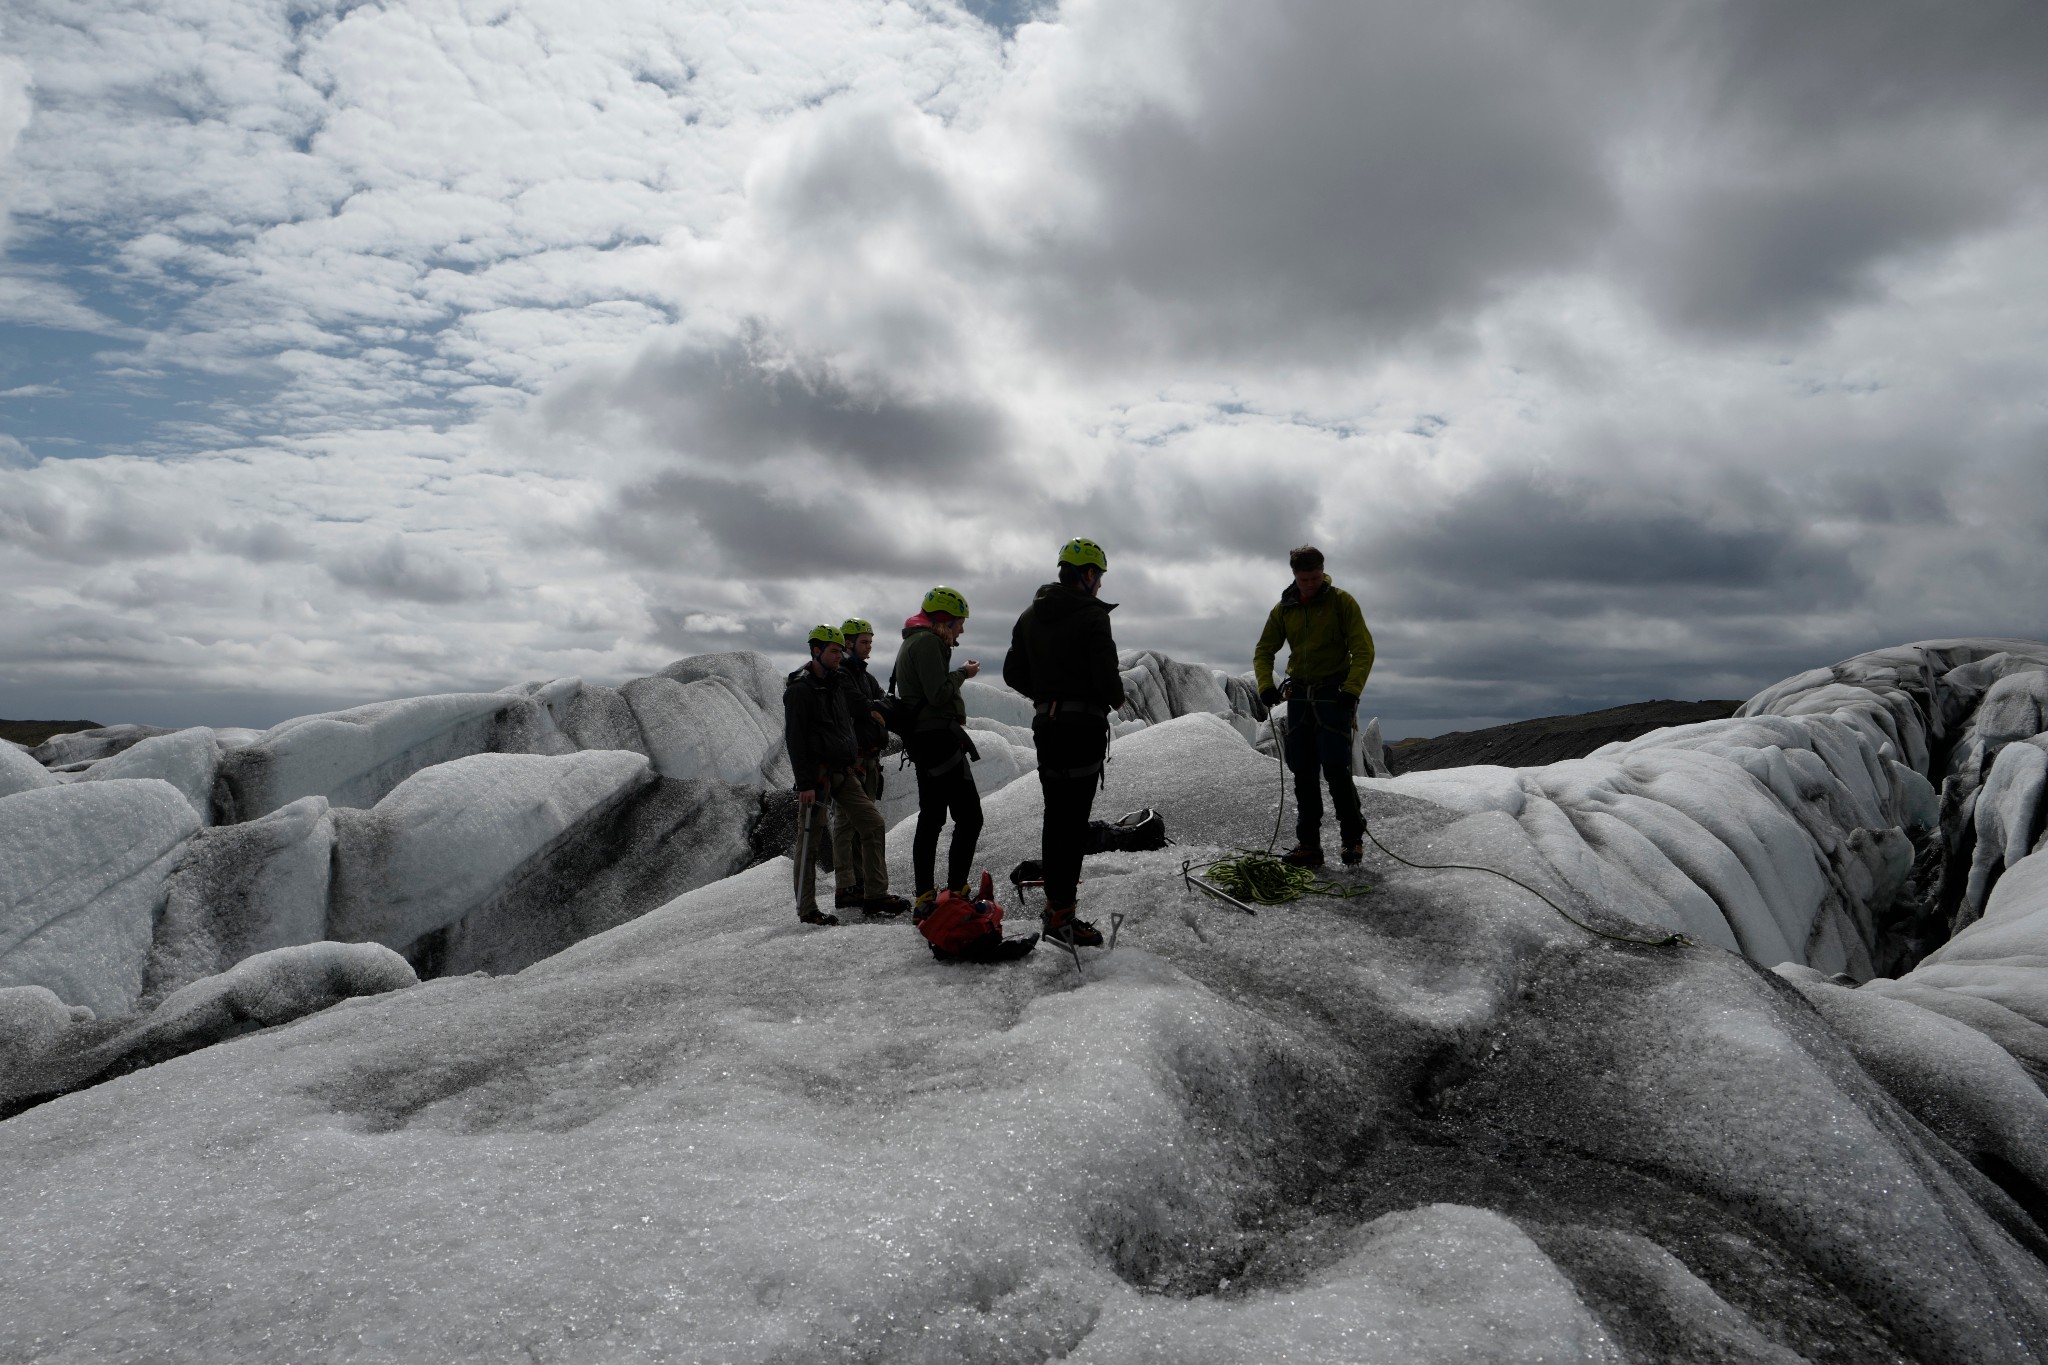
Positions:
{"x": 1269, "y": 696}
{"x": 1350, "y": 700}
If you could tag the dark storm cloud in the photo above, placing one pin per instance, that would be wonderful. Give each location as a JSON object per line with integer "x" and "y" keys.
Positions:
{"x": 1914, "y": 499}
{"x": 1362, "y": 170}
{"x": 1150, "y": 506}
{"x": 1516, "y": 538}
{"x": 1775, "y": 250}
{"x": 1828, "y": 64}
{"x": 738, "y": 406}
{"x": 729, "y": 526}
{"x": 405, "y": 571}
{"x": 1337, "y": 177}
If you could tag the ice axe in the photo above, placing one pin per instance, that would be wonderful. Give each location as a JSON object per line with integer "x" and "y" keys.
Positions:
{"x": 803, "y": 852}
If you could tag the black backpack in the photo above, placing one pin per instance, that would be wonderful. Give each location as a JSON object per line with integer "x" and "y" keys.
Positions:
{"x": 1139, "y": 832}
{"x": 899, "y": 714}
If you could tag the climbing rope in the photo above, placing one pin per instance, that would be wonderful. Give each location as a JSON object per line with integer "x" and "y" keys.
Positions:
{"x": 1253, "y": 866}
{"x": 1263, "y": 879}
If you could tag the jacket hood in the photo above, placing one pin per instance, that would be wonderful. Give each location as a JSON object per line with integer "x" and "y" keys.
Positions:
{"x": 1292, "y": 596}
{"x": 1057, "y": 602}
{"x": 916, "y": 623}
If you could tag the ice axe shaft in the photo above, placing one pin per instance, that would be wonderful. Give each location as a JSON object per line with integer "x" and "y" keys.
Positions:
{"x": 803, "y": 853}
{"x": 1188, "y": 876}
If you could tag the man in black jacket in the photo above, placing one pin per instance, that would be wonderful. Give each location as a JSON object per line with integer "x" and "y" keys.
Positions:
{"x": 1063, "y": 657}
{"x": 860, "y": 860}
{"x": 824, "y": 754}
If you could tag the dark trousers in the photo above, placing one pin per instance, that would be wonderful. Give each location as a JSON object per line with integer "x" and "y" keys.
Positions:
{"x": 1319, "y": 750}
{"x": 1070, "y": 755}
{"x": 945, "y": 787}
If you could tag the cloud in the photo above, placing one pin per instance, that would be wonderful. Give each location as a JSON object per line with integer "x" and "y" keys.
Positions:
{"x": 730, "y": 526}
{"x": 743, "y": 405}
{"x": 1605, "y": 348}
{"x": 1514, "y": 536}
{"x": 414, "y": 573}
{"x": 263, "y": 542}
{"x": 93, "y": 528}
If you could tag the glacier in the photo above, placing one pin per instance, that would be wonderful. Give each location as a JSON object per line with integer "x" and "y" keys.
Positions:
{"x": 577, "y": 1086}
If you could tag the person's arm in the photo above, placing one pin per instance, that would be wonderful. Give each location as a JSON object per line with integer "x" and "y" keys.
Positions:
{"x": 1017, "y": 663}
{"x": 927, "y": 672}
{"x": 1358, "y": 645}
{"x": 1102, "y": 666}
{"x": 796, "y": 734}
{"x": 1270, "y": 640}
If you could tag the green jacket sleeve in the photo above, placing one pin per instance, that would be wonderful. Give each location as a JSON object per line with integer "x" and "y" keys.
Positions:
{"x": 1270, "y": 640}
{"x": 1358, "y": 644}
{"x": 927, "y": 679}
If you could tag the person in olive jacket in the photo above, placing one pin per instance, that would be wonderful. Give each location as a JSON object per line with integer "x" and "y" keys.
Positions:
{"x": 860, "y": 864}
{"x": 1063, "y": 657}
{"x": 938, "y": 743}
{"x": 1329, "y": 657}
{"x": 824, "y": 756}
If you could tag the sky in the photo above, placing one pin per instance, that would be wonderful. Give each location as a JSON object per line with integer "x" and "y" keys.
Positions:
{"x": 1609, "y": 350}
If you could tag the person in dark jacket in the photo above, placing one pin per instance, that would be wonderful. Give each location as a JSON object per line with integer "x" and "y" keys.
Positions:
{"x": 1329, "y": 657}
{"x": 1063, "y": 658}
{"x": 860, "y": 861}
{"x": 824, "y": 755}
{"x": 938, "y": 743}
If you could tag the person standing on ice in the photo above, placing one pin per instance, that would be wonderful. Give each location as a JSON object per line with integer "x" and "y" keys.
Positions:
{"x": 1063, "y": 658}
{"x": 938, "y": 744}
{"x": 860, "y": 862}
{"x": 1329, "y": 656}
{"x": 825, "y": 757}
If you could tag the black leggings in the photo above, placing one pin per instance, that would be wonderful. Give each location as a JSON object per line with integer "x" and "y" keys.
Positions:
{"x": 940, "y": 794}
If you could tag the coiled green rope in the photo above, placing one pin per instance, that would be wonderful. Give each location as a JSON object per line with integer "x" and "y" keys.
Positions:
{"x": 1263, "y": 879}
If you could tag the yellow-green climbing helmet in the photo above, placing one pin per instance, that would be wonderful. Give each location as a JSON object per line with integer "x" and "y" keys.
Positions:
{"x": 946, "y": 600}
{"x": 854, "y": 625}
{"x": 1083, "y": 553}
{"x": 827, "y": 635}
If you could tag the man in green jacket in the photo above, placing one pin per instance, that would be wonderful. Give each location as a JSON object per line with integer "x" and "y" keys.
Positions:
{"x": 938, "y": 743}
{"x": 1329, "y": 656}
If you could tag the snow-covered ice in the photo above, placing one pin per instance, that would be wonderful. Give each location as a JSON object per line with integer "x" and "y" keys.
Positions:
{"x": 187, "y": 759}
{"x": 20, "y": 773}
{"x": 87, "y": 746}
{"x": 354, "y": 758}
{"x": 450, "y": 837}
{"x": 239, "y": 890}
{"x": 82, "y": 870}
{"x": 705, "y": 728}
{"x": 1438, "y": 1122}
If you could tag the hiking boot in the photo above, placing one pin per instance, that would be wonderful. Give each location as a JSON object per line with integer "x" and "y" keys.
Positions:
{"x": 1062, "y": 926}
{"x": 849, "y": 898}
{"x": 1303, "y": 855}
{"x": 922, "y": 906}
{"x": 1354, "y": 852}
{"x": 816, "y": 917}
{"x": 884, "y": 905}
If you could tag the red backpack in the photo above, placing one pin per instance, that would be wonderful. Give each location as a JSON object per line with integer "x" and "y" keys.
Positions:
{"x": 952, "y": 922}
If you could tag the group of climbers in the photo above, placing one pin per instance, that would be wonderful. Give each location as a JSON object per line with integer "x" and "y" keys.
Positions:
{"x": 1063, "y": 658}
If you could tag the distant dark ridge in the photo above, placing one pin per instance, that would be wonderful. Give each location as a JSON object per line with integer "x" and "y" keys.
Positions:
{"x": 34, "y": 732}
{"x": 1549, "y": 739}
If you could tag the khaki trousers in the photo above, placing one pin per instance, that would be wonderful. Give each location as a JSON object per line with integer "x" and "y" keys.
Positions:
{"x": 853, "y": 812}
{"x": 859, "y": 838}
